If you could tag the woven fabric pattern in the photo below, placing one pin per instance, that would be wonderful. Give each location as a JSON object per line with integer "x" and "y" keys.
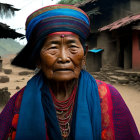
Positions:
{"x": 48, "y": 8}
{"x": 62, "y": 16}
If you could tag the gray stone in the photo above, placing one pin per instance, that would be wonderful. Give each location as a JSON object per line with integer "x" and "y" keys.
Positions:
{"x": 138, "y": 83}
{"x": 25, "y": 73}
{"x": 117, "y": 75}
{"x": 113, "y": 81}
{"x": 4, "y": 96}
{"x": 7, "y": 71}
{"x": 4, "y": 79}
{"x": 17, "y": 87}
{"x": 131, "y": 82}
{"x": 110, "y": 73}
{"x": 17, "y": 81}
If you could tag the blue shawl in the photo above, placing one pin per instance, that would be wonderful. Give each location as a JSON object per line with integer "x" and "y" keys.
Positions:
{"x": 86, "y": 120}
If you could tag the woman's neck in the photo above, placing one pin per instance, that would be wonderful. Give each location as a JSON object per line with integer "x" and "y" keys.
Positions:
{"x": 62, "y": 90}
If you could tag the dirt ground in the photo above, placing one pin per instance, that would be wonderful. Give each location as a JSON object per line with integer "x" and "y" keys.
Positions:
{"x": 131, "y": 95}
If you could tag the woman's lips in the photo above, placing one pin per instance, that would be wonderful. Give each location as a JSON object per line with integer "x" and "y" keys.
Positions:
{"x": 64, "y": 69}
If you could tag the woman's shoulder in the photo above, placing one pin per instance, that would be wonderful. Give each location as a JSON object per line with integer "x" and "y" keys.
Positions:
{"x": 108, "y": 92}
{"x": 103, "y": 86}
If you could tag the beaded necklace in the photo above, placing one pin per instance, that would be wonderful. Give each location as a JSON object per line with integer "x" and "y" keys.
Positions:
{"x": 64, "y": 111}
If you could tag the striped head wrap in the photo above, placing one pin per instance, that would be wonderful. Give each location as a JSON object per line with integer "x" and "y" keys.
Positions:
{"x": 56, "y": 18}
{"x": 47, "y": 20}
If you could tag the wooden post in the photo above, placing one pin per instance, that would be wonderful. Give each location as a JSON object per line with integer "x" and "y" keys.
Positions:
{"x": 0, "y": 64}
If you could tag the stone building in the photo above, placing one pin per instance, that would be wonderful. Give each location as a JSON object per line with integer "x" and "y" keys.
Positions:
{"x": 94, "y": 60}
{"x": 121, "y": 42}
{"x": 115, "y": 28}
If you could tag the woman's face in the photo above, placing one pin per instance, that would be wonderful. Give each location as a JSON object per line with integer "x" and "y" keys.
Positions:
{"x": 61, "y": 57}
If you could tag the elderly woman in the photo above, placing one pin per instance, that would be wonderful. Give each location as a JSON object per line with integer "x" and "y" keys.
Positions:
{"x": 62, "y": 101}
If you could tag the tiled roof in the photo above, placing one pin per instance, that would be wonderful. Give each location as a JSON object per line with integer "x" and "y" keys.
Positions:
{"x": 121, "y": 22}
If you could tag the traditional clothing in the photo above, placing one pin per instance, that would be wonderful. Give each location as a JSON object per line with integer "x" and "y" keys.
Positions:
{"x": 108, "y": 120}
{"x": 99, "y": 111}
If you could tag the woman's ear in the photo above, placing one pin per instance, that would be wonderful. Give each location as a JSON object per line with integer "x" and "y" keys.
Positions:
{"x": 38, "y": 64}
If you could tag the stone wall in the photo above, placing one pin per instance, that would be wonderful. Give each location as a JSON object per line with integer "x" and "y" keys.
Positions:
{"x": 4, "y": 96}
{"x": 119, "y": 76}
{"x": 108, "y": 44}
{"x": 93, "y": 61}
{"x": 135, "y": 6}
{"x": 120, "y": 10}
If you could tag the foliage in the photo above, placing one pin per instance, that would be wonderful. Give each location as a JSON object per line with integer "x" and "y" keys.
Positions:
{"x": 93, "y": 11}
{"x": 70, "y": 1}
{"x": 7, "y": 10}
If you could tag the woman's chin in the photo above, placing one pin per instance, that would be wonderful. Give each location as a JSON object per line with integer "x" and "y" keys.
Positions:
{"x": 64, "y": 76}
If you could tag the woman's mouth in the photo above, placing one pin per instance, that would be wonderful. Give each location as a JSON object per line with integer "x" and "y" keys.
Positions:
{"x": 64, "y": 69}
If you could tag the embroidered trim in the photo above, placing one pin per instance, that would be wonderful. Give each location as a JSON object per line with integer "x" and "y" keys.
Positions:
{"x": 106, "y": 112}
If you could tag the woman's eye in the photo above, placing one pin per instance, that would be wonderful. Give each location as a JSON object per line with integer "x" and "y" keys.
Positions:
{"x": 73, "y": 46}
{"x": 53, "y": 47}
{"x": 73, "y": 49}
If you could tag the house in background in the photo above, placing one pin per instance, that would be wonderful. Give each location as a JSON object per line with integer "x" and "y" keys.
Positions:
{"x": 94, "y": 57}
{"x": 115, "y": 29}
{"x": 121, "y": 42}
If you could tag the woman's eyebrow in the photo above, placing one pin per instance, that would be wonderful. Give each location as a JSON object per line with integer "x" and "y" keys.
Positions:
{"x": 54, "y": 42}
{"x": 71, "y": 41}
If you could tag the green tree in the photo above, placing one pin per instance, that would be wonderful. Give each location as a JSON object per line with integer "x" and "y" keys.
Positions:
{"x": 81, "y": 4}
{"x": 7, "y": 10}
{"x": 70, "y": 1}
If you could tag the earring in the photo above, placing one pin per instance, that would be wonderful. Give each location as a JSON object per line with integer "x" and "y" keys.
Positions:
{"x": 37, "y": 69}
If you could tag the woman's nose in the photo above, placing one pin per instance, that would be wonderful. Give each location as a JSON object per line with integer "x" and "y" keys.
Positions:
{"x": 63, "y": 56}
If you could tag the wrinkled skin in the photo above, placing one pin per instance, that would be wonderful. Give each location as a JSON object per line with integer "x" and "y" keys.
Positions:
{"x": 61, "y": 60}
{"x": 61, "y": 57}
